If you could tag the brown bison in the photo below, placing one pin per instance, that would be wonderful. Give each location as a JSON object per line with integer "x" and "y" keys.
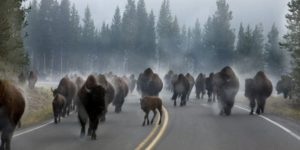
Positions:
{"x": 32, "y": 79}
{"x": 211, "y": 89}
{"x": 227, "y": 86}
{"x": 110, "y": 92}
{"x": 181, "y": 89}
{"x": 168, "y": 80}
{"x": 151, "y": 103}
{"x": 79, "y": 82}
{"x": 91, "y": 105}
{"x": 200, "y": 86}
{"x": 132, "y": 83}
{"x": 191, "y": 80}
{"x": 257, "y": 90}
{"x": 67, "y": 89}
{"x": 121, "y": 91}
{"x": 149, "y": 83}
{"x": 12, "y": 106}
{"x": 58, "y": 106}
{"x": 285, "y": 86}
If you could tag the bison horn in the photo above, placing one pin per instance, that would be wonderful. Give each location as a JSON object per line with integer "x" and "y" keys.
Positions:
{"x": 87, "y": 90}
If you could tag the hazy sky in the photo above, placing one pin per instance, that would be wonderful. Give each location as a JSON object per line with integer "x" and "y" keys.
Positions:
{"x": 187, "y": 11}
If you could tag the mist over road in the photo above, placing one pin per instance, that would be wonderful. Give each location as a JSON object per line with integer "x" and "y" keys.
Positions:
{"x": 196, "y": 126}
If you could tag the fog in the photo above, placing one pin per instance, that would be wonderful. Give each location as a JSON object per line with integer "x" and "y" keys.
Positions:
{"x": 252, "y": 12}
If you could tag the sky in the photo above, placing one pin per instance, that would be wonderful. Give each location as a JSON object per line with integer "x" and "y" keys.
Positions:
{"x": 250, "y": 12}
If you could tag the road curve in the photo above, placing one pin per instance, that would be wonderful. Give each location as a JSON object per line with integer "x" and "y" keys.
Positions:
{"x": 194, "y": 127}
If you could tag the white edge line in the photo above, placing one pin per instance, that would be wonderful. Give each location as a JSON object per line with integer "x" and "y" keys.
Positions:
{"x": 33, "y": 129}
{"x": 274, "y": 123}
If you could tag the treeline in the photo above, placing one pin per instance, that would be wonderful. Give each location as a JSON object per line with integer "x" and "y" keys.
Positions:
{"x": 13, "y": 57}
{"x": 59, "y": 40}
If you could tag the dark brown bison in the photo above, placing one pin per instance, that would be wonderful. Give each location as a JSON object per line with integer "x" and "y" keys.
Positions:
{"x": 91, "y": 105}
{"x": 257, "y": 90}
{"x": 200, "y": 86}
{"x": 121, "y": 91}
{"x": 227, "y": 86}
{"x": 67, "y": 89}
{"x": 12, "y": 106}
{"x": 132, "y": 83}
{"x": 285, "y": 85}
{"x": 58, "y": 106}
{"x": 149, "y": 83}
{"x": 168, "y": 80}
{"x": 181, "y": 89}
{"x": 110, "y": 92}
{"x": 211, "y": 89}
{"x": 191, "y": 80}
{"x": 151, "y": 103}
{"x": 32, "y": 79}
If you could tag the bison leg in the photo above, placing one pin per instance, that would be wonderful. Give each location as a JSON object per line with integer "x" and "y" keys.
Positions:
{"x": 174, "y": 97}
{"x": 183, "y": 100}
{"x": 154, "y": 115}
{"x": 252, "y": 105}
{"x": 160, "y": 114}
{"x": 6, "y": 138}
{"x": 94, "y": 125}
{"x": 198, "y": 95}
{"x": 82, "y": 122}
{"x": 145, "y": 118}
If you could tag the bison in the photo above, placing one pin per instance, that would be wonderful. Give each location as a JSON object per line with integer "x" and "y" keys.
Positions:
{"x": 121, "y": 91}
{"x": 227, "y": 86}
{"x": 191, "y": 80}
{"x": 211, "y": 89}
{"x": 12, "y": 106}
{"x": 32, "y": 79}
{"x": 257, "y": 90}
{"x": 110, "y": 92}
{"x": 22, "y": 78}
{"x": 132, "y": 83}
{"x": 181, "y": 89}
{"x": 58, "y": 106}
{"x": 91, "y": 105}
{"x": 285, "y": 86}
{"x": 67, "y": 89}
{"x": 151, "y": 103}
{"x": 168, "y": 80}
{"x": 149, "y": 83}
{"x": 200, "y": 86}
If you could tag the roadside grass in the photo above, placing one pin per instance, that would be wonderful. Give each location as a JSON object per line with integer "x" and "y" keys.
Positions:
{"x": 277, "y": 105}
{"x": 38, "y": 105}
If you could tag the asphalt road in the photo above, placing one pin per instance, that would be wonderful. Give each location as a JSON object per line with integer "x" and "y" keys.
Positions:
{"x": 194, "y": 127}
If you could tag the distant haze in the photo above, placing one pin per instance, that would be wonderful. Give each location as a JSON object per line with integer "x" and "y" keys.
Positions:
{"x": 246, "y": 11}
{"x": 251, "y": 12}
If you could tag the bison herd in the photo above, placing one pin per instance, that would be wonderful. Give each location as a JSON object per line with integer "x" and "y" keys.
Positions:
{"x": 91, "y": 98}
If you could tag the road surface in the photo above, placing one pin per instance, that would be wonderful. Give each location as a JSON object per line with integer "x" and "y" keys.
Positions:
{"x": 194, "y": 127}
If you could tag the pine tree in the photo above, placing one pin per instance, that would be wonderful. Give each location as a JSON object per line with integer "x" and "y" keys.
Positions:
{"x": 116, "y": 32}
{"x": 257, "y": 49}
{"x": 292, "y": 39}
{"x": 12, "y": 54}
{"x": 275, "y": 58}
{"x": 223, "y": 36}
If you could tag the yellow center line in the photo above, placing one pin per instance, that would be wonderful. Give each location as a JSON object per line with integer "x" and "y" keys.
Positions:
{"x": 151, "y": 134}
{"x": 161, "y": 132}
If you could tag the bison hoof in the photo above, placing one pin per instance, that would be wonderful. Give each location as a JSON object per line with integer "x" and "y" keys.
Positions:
{"x": 251, "y": 113}
{"x": 93, "y": 137}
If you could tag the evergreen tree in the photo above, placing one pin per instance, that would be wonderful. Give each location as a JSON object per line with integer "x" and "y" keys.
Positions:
{"x": 257, "y": 49}
{"x": 275, "y": 58}
{"x": 292, "y": 39}
{"x": 116, "y": 32}
{"x": 223, "y": 36}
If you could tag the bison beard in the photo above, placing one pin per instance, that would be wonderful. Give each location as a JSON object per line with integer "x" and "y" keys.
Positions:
{"x": 12, "y": 106}
{"x": 93, "y": 103}
{"x": 200, "y": 86}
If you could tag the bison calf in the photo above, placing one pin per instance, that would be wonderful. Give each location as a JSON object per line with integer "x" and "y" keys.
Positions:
{"x": 151, "y": 103}
{"x": 12, "y": 106}
{"x": 58, "y": 106}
